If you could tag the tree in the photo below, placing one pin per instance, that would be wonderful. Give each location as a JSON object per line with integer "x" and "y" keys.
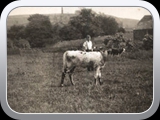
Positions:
{"x": 107, "y": 24}
{"x": 69, "y": 32}
{"x": 84, "y": 22}
{"x": 56, "y": 29}
{"x": 16, "y": 32}
{"x": 88, "y": 22}
{"x": 38, "y": 30}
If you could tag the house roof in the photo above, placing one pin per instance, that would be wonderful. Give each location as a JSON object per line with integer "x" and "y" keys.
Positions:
{"x": 145, "y": 23}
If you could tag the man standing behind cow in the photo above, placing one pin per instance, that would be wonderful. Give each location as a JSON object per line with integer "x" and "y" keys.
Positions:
{"x": 87, "y": 45}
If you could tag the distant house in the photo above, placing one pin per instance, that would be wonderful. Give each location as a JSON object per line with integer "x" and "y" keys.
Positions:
{"x": 144, "y": 26}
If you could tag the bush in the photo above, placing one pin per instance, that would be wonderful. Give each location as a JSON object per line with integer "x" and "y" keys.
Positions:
{"x": 22, "y": 43}
{"x": 148, "y": 42}
{"x": 116, "y": 41}
{"x": 121, "y": 29}
{"x": 139, "y": 54}
{"x": 107, "y": 39}
{"x": 10, "y": 43}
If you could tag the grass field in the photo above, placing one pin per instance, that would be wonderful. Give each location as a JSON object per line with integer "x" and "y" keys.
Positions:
{"x": 33, "y": 85}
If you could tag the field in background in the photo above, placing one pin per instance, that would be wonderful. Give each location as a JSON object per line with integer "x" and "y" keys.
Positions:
{"x": 62, "y": 46}
{"x": 33, "y": 81}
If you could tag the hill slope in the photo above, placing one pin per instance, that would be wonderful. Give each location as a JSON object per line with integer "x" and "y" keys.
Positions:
{"x": 22, "y": 20}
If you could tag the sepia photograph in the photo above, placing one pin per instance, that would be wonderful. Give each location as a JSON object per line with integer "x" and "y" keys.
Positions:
{"x": 80, "y": 59}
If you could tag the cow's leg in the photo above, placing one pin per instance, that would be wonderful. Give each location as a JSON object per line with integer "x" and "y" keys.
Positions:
{"x": 62, "y": 77}
{"x": 95, "y": 79}
{"x": 91, "y": 68}
{"x": 96, "y": 76}
{"x": 99, "y": 77}
{"x": 71, "y": 76}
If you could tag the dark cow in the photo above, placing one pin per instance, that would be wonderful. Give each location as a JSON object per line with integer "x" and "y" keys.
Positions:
{"x": 116, "y": 51}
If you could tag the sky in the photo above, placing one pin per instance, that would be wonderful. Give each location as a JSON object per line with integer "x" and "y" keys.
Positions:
{"x": 122, "y": 12}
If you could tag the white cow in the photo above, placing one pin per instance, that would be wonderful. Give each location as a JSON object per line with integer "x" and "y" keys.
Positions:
{"x": 73, "y": 59}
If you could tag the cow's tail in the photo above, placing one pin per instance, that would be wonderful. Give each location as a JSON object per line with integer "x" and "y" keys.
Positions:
{"x": 64, "y": 62}
{"x": 64, "y": 68}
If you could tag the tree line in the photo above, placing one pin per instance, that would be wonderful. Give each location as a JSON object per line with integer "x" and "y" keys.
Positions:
{"x": 39, "y": 31}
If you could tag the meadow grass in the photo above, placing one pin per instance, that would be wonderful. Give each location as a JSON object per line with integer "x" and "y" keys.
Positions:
{"x": 33, "y": 82}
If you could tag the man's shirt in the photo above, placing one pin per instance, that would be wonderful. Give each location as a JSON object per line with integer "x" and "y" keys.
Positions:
{"x": 87, "y": 45}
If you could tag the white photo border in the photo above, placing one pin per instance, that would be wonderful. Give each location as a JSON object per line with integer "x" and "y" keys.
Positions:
{"x": 82, "y": 3}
